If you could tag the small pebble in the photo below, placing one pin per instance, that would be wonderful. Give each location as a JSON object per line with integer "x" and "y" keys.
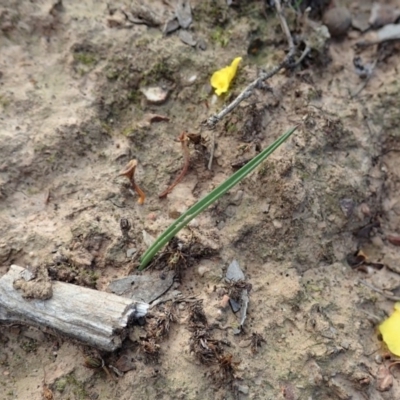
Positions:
{"x": 174, "y": 213}
{"x": 234, "y": 272}
{"x": 237, "y": 198}
{"x": 347, "y": 206}
{"x": 152, "y": 216}
{"x": 378, "y": 359}
{"x": 194, "y": 223}
{"x": 171, "y": 26}
{"x": 245, "y": 343}
{"x": 230, "y": 211}
{"x": 337, "y": 20}
{"x": 377, "y": 242}
{"x": 201, "y": 44}
{"x": 364, "y": 208}
{"x": 155, "y": 94}
{"x": 130, "y": 252}
{"x": 183, "y": 12}
{"x": 187, "y": 38}
{"x": 345, "y": 345}
{"x": 265, "y": 209}
{"x": 202, "y": 270}
{"x": 148, "y": 239}
{"x": 192, "y": 79}
{"x": 214, "y": 100}
{"x": 243, "y": 389}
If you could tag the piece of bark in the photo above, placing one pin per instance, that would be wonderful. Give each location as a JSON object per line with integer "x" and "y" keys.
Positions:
{"x": 96, "y": 318}
{"x": 145, "y": 288}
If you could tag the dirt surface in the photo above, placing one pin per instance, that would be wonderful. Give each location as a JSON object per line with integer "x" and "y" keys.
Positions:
{"x": 72, "y": 116}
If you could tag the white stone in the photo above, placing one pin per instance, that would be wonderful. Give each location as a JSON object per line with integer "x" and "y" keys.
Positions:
{"x": 155, "y": 94}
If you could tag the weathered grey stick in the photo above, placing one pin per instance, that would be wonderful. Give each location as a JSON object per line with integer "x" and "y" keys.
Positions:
{"x": 248, "y": 91}
{"x": 96, "y": 318}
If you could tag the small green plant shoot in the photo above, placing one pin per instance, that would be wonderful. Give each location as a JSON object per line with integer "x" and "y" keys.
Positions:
{"x": 209, "y": 199}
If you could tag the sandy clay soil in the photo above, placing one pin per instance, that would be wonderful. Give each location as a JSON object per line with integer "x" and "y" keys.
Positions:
{"x": 73, "y": 113}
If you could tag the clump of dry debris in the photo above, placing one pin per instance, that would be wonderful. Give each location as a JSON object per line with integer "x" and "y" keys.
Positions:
{"x": 210, "y": 351}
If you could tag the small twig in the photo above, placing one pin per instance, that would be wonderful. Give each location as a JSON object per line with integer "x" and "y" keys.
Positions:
{"x": 72, "y": 214}
{"x": 186, "y": 155}
{"x": 393, "y": 363}
{"x": 304, "y": 54}
{"x": 212, "y": 149}
{"x": 129, "y": 172}
{"x": 284, "y": 25}
{"x": 47, "y": 197}
{"x": 372, "y": 317}
{"x": 116, "y": 371}
{"x": 105, "y": 369}
{"x": 248, "y": 91}
{"x": 115, "y": 204}
{"x": 380, "y": 291}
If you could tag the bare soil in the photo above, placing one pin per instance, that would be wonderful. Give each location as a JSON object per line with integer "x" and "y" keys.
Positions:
{"x": 72, "y": 116}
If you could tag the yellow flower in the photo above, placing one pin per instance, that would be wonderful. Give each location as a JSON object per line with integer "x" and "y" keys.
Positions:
{"x": 221, "y": 79}
{"x": 390, "y": 330}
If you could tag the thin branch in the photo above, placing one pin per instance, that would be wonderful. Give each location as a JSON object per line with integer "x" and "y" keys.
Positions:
{"x": 284, "y": 25}
{"x": 212, "y": 149}
{"x": 248, "y": 91}
{"x": 186, "y": 160}
{"x": 304, "y": 54}
{"x": 380, "y": 291}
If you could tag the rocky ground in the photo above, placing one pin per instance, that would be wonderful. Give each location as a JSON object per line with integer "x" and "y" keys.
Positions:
{"x": 311, "y": 228}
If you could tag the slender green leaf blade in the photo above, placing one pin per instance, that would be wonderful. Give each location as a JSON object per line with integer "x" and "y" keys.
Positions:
{"x": 206, "y": 201}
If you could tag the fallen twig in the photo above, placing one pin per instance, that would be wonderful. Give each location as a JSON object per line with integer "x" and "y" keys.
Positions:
{"x": 284, "y": 25}
{"x": 380, "y": 291}
{"x": 183, "y": 139}
{"x": 248, "y": 91}
{"x": 212, "y": 149}
{"x": 73, "y": 213}
{"x": 98, "y": 319}
{"x": 304, "y": 54}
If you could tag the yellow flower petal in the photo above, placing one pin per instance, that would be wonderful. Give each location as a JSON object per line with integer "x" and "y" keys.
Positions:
{"x": 390, "y": 330}
{"x": 221, "y": 79}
